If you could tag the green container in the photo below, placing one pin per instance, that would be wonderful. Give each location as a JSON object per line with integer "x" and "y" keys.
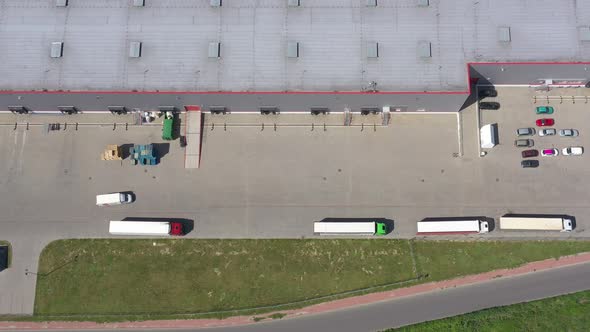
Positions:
{"x": 167, "y": 129}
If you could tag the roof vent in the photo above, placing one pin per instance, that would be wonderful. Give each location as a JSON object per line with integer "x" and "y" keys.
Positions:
{"x": 61, "y": 3}
{"x": 372, "y": 50}
{"x": 57, "y": 49}
{"x": 135, "y": 49}
{"x": 424, "y": 49}
{"x": 293, "y": 3}
{"x": 292, "y": 49}
{"x": 371, "y": 3}
{"x": 215, "y": 50}
{"x": 504, "y": 34}
{"x": 584, "y": 33}
{"x": 423, "y": 3}
{"x": 138, "y": 3}
{"x": 215, "y": 3}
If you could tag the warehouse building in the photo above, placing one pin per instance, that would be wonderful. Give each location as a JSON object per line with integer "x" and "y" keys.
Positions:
{"x": 283, "y": 55}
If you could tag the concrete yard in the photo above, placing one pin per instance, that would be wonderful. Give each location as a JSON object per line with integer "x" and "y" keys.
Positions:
{"x": 269, "y": 183}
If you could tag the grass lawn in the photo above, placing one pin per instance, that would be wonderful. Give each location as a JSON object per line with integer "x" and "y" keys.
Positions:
{"x": 561, "y": 313}
{"x": 160, "y": 277}
{"x": 175, "y": 276}
{"x": 448, "y": 259}
{"x": 6, "y": 243}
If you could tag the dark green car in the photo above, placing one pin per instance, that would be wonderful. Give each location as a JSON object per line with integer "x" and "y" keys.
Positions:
{"x": 544, "y": 110}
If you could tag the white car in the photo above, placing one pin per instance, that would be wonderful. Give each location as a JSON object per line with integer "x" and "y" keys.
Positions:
{"x": 573, "y": 151}
{"x": 547, "y": 132}
{"x": 550, "y": 152}
{"x": 568, "y": 132}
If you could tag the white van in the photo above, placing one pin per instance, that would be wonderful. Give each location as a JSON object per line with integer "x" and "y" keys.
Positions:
{"x": 113, "y": 199}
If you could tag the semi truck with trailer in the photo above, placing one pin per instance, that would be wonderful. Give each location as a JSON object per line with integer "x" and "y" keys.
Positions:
{"x": 520, "y": 223}
{"x": 451, "y": 227}
{"x": 146, "y": 228}
{"x": 349, "y": 228}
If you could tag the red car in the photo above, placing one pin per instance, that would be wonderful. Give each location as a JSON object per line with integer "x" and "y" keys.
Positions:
{"x": 546, "y": 122}
{"x": 530, "y": 153}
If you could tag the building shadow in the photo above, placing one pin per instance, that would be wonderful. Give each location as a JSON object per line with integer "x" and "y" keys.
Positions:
{"x": 125, "y": 150}
{"x": 161, "y": 149}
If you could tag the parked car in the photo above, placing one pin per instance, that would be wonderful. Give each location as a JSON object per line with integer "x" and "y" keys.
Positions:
{"x": 524, "y": 143}
{"x": 489, "y": 105}
{"x": 545, "y": 122}
{"x": 573, "y": 151}
{"x": 544, "y": 110}
{"x": 547, "y": 132}
{"x": 530, "y": 153}
{"x": 568, "y": 132}
{"x": 525, "y": 131}
{"x": 530, "y": 163}
{"x": 487, "y": 93}
{"x": 549, "y": 152}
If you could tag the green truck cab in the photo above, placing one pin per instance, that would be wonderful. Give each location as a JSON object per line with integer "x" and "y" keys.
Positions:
{"x": 381, "y": 228}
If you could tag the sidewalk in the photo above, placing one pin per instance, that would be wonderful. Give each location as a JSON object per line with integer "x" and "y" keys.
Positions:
{"x": 314, "y": 309}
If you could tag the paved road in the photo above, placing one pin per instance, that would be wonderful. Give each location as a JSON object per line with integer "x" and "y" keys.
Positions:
{"x": 434, "y": 305}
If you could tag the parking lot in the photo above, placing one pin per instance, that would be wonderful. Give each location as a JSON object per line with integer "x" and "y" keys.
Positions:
{"x": 518, "y": 111}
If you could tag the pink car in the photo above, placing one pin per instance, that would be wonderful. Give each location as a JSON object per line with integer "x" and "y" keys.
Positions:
{"x": 549, "y": 152}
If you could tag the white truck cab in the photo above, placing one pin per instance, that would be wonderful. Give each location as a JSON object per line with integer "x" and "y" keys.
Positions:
{"x": 113, "y": 199}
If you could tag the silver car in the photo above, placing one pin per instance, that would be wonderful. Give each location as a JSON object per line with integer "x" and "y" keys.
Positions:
{"x": 524, "y": 143}
{"x": 547, "y": 132}
{"x": 525, "y": 131}
{"x": 568, "y": 132}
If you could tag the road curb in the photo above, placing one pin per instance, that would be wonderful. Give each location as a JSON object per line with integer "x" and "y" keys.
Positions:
{"x": 313, "y": 309}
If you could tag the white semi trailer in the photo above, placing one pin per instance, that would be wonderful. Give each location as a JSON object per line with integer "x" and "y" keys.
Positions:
{"x": 450, "y": 227}
{"x": 349, "y": 228}
{"x": 513, "y": 223}
{"x": 146, "y": 228}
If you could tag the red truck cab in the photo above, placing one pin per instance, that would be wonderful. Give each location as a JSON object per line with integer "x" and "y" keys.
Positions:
{"x": 176, "y": 229}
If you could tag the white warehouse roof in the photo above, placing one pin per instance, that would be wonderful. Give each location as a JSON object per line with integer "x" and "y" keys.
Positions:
{"x": 253, "y": 34}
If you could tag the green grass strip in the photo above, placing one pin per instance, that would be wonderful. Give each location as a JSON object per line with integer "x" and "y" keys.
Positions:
{"x": 162, "y": 278}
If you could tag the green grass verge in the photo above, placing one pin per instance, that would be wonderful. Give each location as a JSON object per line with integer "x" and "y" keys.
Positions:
{"x": 6, "y": 243}
{"x": 561, "y": 313}
{"x": 149, "y": 279}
